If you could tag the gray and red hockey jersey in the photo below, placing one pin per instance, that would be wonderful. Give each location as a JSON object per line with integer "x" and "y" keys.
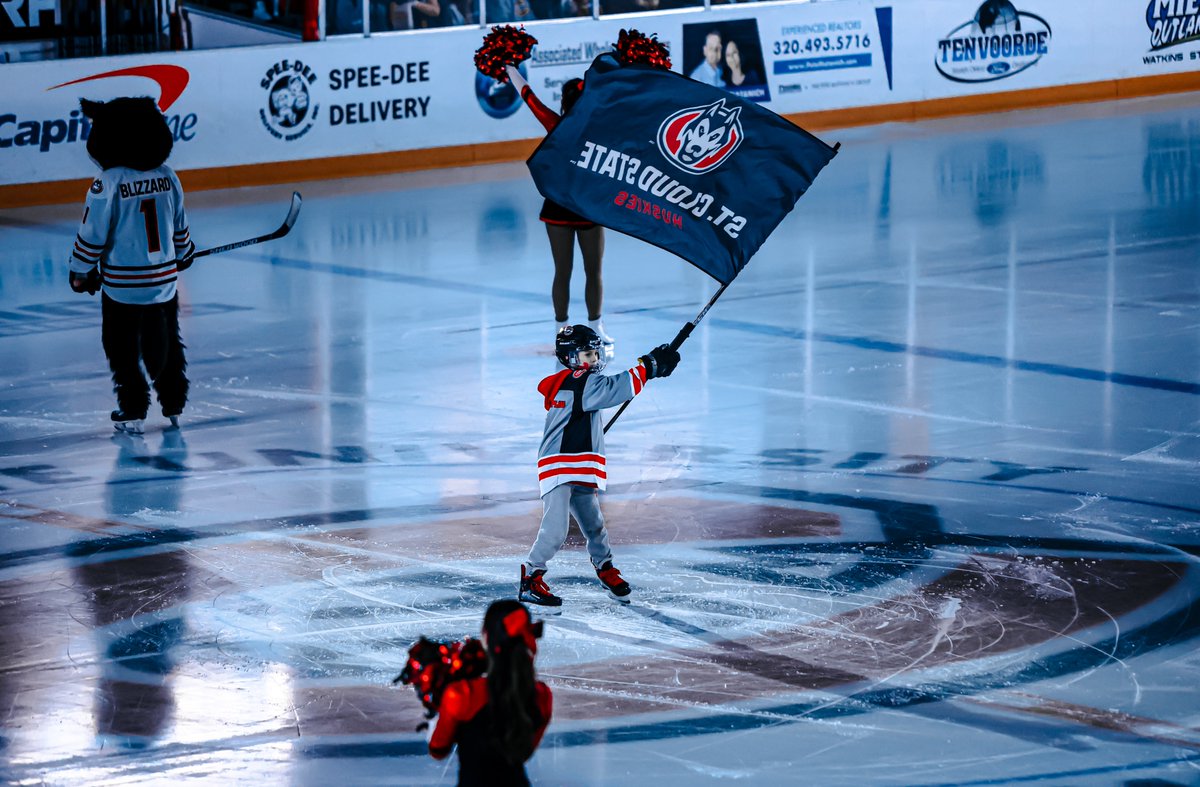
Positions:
{"x": 572, "y": 448}
{"x": 135, "y": 228}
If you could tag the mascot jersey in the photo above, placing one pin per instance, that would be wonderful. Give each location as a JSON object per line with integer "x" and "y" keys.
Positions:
{"x": 135, "y": 228}
{"x": 572, "y": 450}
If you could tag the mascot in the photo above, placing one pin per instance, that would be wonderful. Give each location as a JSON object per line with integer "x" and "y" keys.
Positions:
{"x": 132, "y": 244}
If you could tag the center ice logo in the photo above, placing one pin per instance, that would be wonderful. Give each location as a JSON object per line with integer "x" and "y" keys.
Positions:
{"x": 999, "y": 42}
{"x": 289, "y": 113}
{"x": 700, "y": 139}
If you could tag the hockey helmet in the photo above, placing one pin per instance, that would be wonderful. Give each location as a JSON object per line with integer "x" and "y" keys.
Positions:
{"x": 574, "y": 339}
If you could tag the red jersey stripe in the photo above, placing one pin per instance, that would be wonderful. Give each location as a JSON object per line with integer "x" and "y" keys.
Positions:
{"x": 542, "y": 476}
{"x": 567, "y": 458}
{"x": 155, "y": 275}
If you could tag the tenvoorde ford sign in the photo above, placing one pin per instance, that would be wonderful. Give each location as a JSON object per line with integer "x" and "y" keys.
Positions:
{"x": 998, "y": 42}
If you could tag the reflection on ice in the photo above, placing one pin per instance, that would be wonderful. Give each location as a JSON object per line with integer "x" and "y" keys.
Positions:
{"x": 918, "y": 506}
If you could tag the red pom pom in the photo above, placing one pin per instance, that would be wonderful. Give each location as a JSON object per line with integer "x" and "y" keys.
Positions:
{"x": 635, "y": 47}
{"x": 503, "y": 46}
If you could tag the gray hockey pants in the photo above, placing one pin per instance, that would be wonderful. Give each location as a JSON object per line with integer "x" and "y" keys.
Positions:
{"x": 557, "y": 506}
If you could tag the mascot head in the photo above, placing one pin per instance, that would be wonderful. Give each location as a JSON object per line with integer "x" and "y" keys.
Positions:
{"x": 127, "y": 132}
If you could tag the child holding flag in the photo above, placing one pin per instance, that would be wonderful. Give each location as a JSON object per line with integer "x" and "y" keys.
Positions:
{"x": 571, "y": 463}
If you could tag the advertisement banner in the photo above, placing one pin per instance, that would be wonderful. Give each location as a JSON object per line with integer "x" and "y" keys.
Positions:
{"x": 409, "y": 91}
{"x": 966, "y": 47}
{"x": 680, "y": 164}
{"x": 247, "y": 106}
{"x": 843, "y": 54}
{"x": 1171, "y": 35}
{"x": 727, "y": 54}
{"x": 565, "y": 52}
{"x": 996, "y": 43}
{"x": 43, "y": 132}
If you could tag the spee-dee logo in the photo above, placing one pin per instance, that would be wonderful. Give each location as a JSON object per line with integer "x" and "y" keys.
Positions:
{"x": 289, "y": 112}
{"x": 999, "y": 42}
{"x": 1172, "y": 22}
{"x": 700, "y": 139}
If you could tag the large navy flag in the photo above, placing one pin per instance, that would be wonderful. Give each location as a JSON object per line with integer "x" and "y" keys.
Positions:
{"x": 685, "y": 166}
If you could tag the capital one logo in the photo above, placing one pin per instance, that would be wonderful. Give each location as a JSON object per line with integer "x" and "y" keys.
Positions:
{"x": 700, "y": 139}
{"x": 69, "y": 126}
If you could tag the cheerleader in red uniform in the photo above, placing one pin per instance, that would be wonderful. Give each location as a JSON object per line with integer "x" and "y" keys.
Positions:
{"x": 564, "y": 228}
{"x": 496, "y": 720}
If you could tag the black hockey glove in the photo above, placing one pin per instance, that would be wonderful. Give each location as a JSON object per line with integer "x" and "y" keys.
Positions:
{"x": 89, "y": 282}
{"x": 660, "y": 361}
{"x": 186, "y": 261}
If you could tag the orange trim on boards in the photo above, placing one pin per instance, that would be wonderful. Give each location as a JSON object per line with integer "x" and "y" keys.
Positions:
{"x": 68, "y": 191}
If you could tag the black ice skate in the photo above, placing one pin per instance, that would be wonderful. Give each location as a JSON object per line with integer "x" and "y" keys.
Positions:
{"x": 123, "y": 422}
{"x": 534, "y": 589}
{"x": 172, "y": 414}
{"x": 611, "y": 578}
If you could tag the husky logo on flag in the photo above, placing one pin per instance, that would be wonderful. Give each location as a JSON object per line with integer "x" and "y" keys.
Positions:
{"x": 737, "y": 169}
{"x": 700, "y": 139}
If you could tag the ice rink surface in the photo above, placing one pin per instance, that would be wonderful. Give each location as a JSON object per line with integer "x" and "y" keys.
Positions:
{"x": 919, "y": 506}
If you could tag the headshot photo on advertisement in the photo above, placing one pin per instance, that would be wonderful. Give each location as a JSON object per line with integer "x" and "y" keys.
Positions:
{"x": 727, "y": 55}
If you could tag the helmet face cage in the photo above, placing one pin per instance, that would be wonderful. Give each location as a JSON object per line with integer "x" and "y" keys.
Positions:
{"x": 573, "y": 340}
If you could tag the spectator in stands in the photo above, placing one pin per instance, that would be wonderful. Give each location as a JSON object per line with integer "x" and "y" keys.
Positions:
{"x": 422, "y": 14}
{"x": 627, "y": 6}
{"x": 637, "y": 6}
{"x": 560, "y": 9}
{"x": 502, "y": 11}
{"x": 347, "y": 17}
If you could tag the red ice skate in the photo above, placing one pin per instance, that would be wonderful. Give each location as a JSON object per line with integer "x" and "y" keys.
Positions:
{"x": 610, "y": 577}
{"x": 534, "y": 589}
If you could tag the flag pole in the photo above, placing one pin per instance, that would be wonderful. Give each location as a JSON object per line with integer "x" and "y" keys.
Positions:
{"x": 679, "y": 339}
{"x": 686, "y": 330}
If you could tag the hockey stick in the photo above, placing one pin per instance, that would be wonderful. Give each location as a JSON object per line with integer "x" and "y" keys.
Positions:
{"x": 284, "y": 229}
{"x": 679, "y": 339}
